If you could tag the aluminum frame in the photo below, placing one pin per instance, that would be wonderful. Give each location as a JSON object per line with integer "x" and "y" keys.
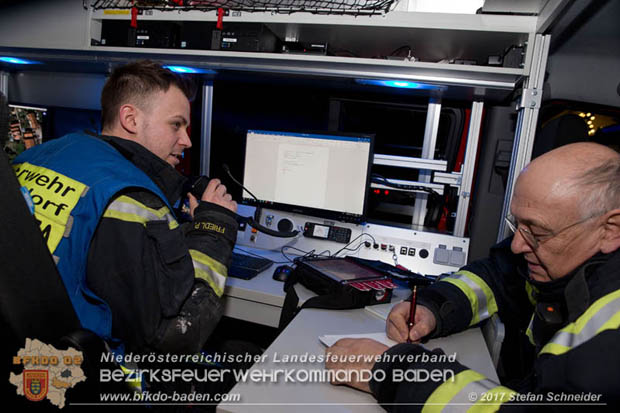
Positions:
{"x": 4, "y": 84}
{"x": 412, "y": 163}
{"x": 428, "y": 152}
{"x": 205, "y": 128}
{"x": 526, "y": 127}
{"x": 469, "y": 163}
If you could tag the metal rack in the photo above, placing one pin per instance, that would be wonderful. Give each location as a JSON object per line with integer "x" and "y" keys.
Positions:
{"x": 354, "y": 7}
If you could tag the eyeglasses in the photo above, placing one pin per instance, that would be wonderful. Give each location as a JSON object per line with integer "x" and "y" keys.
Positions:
{"x": 535, "y": 240}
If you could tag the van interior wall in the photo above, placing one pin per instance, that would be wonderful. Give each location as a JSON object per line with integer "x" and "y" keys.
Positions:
{"x": 585, "y": 66}
{"x": 490, "y": 180}
{"x": 44, "y": 23}
{"x": 69, "y": 90}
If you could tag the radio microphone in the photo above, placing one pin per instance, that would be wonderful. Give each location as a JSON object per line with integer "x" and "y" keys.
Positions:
{"x": 196, "y": 186}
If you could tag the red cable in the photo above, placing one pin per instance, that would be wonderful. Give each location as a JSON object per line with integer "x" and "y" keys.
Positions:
{"x": 134, "y": 16}
{"x": 220, "y": 19}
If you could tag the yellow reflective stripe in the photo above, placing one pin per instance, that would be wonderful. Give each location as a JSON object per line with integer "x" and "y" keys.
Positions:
{"x": 127, "y": 209}
{"x": 592, "y": 311}
{"x": 612, "y": 323}
{"x": 529, "y": 333}
{"x": 209, "y": 270}
{"x": 478, "y": 293}
{"x": 491, "y": 305}
{"x": 136, "y": 382}
{"x": 161, "y": 213}
{"x": 471, "y": 296}
{"x": 531, "y": 291}
{"x": 554, "y": 348}
{"x": 124, "y": 216}
{"x": 602, "y": 315}
{"x": 455, "y": 395}
{"x": 448, "y": 390}
{"x": 492, "y": 400}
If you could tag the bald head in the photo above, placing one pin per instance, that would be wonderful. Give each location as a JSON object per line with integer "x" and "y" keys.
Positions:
{"x": 585, "y": 173}
{"x": 567, "y": 207}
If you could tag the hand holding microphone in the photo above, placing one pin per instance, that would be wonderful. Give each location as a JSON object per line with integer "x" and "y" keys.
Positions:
{"x": 210, "y": 190}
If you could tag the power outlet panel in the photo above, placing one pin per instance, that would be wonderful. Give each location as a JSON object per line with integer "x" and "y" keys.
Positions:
{"x": 419, "y": 251}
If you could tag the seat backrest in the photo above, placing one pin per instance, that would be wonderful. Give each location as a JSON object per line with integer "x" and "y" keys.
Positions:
{"x": 494, "y": 333}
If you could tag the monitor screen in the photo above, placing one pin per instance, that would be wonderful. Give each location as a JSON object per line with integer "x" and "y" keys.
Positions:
{"x": 25, "y": 128}
{"x": 312, "y": 174}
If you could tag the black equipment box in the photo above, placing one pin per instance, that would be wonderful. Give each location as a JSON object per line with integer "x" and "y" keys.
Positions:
{"x": 249, "y": 37}
{"x": 242, "y": 37}
{"x": 315, "y": 48}
{"x": 338, "y": 276}
{"x": 157, "y": 34}
{"x": 336, "y": 283}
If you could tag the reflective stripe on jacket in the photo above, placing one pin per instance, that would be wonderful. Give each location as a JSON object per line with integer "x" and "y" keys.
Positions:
{"x": 478, "y": 293}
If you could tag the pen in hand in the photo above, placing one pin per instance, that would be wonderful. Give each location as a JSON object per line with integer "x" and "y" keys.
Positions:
{"x": 412, "y": 312}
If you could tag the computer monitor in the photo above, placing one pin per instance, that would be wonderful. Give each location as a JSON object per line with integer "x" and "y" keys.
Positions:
{"x": 26, "y": 125}
{"x": 324, "y": 175}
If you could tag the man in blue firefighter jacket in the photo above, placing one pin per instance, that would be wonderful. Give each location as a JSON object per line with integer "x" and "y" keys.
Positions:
{"x": 104, "y": 204}
{"x": 555, "y": 284}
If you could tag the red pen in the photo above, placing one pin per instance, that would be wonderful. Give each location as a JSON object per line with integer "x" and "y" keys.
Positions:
{"x": 412, "y": 311}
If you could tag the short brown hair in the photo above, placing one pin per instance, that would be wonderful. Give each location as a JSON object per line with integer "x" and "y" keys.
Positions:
{"x": 134, "y": 83}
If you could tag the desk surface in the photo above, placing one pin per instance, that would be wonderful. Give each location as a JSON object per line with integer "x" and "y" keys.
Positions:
{"x": 260, "y": 299}
{"x": 301, "y": 337}
{"x": 262, "y": 288}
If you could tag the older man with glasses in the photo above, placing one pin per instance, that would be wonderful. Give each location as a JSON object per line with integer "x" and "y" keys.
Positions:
{"x": 556, "y": 286}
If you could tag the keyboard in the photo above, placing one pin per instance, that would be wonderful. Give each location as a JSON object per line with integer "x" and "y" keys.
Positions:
{"x": 246, "y": 266}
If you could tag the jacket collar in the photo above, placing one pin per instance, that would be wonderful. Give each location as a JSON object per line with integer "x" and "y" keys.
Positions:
{"x": 168, "y": 179}
{"x": 575, "y": 292}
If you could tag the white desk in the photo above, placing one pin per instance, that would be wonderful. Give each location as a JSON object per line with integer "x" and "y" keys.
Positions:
{"x": 260, "y": 300}
{"x": 301, "y": 337}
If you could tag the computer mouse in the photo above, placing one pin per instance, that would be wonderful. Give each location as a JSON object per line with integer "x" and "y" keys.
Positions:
{"x": 282, "y": 272}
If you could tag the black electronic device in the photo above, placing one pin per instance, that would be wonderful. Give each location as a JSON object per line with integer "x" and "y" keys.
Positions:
{"x": 396, "y": 273}
{"x": 246, "y": 266}
{"x": 327, "y": 232}
{"x": 315, "y": 48}
{"x": 514, "y": 56}
{"x": 196, "y": 35}
{"x": 551, "y": 313}
{"x": 282, "y": 272}
{"x": 339, "y": 283}
{"x": 323, "y": 175}
{"x": 343, "y": 270}
{"x": 158, "y": 34}
{"x": 248, "y": 37}
{"x": 196, "y": 185}
{"x": 154, "y": 34}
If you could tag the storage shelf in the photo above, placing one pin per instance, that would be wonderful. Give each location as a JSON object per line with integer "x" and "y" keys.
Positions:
{"x": 433, "y": 38}
{"x": 394, "y": 19}
{"x": 471, "y": 77}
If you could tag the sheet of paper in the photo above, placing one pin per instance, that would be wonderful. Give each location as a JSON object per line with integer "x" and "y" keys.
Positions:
{"x": 329, "y": 340}
{"x": 380, "y": 310}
